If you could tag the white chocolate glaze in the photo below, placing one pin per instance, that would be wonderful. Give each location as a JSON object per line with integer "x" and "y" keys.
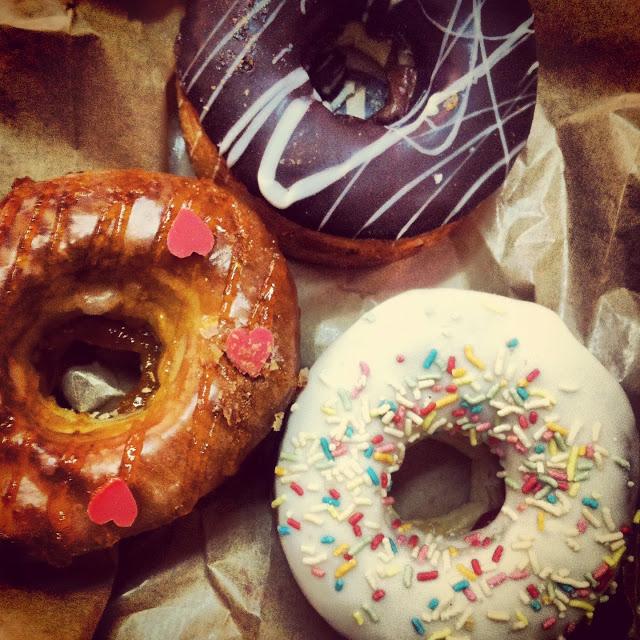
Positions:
{"x": 556, "y": 536}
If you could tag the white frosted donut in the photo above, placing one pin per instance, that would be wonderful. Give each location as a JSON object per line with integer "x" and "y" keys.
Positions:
{"x": 561, "y": 425}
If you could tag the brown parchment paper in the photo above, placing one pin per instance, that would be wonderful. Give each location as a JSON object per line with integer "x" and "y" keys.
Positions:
{"x": 86, "y": 86}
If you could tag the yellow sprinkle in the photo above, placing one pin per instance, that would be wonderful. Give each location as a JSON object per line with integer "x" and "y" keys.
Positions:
{"x": 571, "y": 463}
{"x": 341, "y": 549}
{"x": 407, "y": 526}
{"x": 393, "y": 570}
{"x": 344, "y": 568}
{"x": 328, "y": 411}
{"x": 540, "y": 520}
{"x": 546, "y": 600}
{"x": 441, "y": 635}
{"x": 387, "y": 458}
{"x": 453, "y": 551}
{"x": 636, "y": 518}
{"x": 573, "y": 489}
{"x": 446, "y": 400}
{"x": 467, "y": 573}
{"x": 333, "y": 512}
{"x": 523, "y": 382}
{"x": 473, "y": 438}
{"x": 472, "y": 358}
{"x": 580, "y": 604}
{"x": 589, "y": 615}
{"x": 278, "y": 501}
{"x": 552, "y": 426}
{"x": 358, "y": 617}
{"x": 462, "y": 381}
{"x": 582, "y": 451}
{"x": 498, "y": 616}
{"x": 426, "y": 423}
{"x": 280, "y": 471}
{"x": 553, "y": 448}
{"x": 521, "y": 617}
{"x": 615, "y": 558}
{"x": 458, "y": 372}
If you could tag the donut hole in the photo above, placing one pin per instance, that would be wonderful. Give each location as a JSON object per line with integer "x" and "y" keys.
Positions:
{"x": 445, "y": 486}
{"x": 98, "y": 365}
{"x": 356, "y": 74}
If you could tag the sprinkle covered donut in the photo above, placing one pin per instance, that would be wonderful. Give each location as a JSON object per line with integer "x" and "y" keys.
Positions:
{"x": 375, "y": 122}
{"x": 492, "y": 372}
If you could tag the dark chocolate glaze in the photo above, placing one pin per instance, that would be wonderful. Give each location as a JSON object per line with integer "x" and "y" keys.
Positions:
{"x": 240, "y": 63}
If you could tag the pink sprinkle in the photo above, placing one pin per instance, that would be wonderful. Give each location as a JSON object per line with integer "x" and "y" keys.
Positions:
{"x": 521, "y": 507}
{"x": 356, "y": 391}
{"x": 318, "y": 572}
{"x": 395, "y": 524}
{"x": 485, "y": 426}
{"x": 473, "y": 539}
{"x": 548, "y": 623}
{"x": 519, "y": 574}
{"x": 378, "y": 594}
{"x": 340, "y": 451}
{"x": 556, "y": 474}
{"x": 401, "y": 539}
{"x": 423, "y": 553}
{"x": 399, "y": 416}
{"x": 529, "y": 484}
{"x": 486, "y": 542}
{"x": 600, "y": 571}
{"x": 377, "y": 439}
{"x": 451, "y": 388}
{"x": 386, "y": 448}
{"x": 523, "y": 422}
{"x": 293, "y": 523}
{"x": 424, "y": 576}
{"x": 533, "y": 375}
{"x": 357, "y": 530}
{"x": 563, "y": 485}
{"x": 365, "y": 369}
{"x": 384, "y": 480}
{"x": 512, "y": 439}
{"x": 355, "y": 518}
{"x": 297, "y": 488}
{"x": 497, "y": 580}
{"x": 547, "y": 435}
{"x": 437, "y": 388}
{"x": 400, "y": 358}
{"x": 582, "y": 525}
{"x": 458, "y": 413}
{"x": 334, "y": 493}
{"x": 475, "y": 418}
{"x": 532, "y": 590}
{"x": 451, "y": 364}
{"x": 477, "y": 569}
{"x": 497, "y": 554}
{"x": 583, "y": 593}
{"x": 589, "y": 452}
{"x": 377, "y": 539}
{"x": 533, "y": 417}
{"x": 570, "y": 628}
{"x": 471, "y": 596}
{"x": 388, "y": 500}
{"x": 413, "y": 541}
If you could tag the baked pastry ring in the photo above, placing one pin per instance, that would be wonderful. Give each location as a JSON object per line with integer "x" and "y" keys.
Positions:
{"x": 174, "y": 275}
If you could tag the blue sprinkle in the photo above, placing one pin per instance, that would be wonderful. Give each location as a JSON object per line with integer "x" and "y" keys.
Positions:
{"x": 552, "y": 498}
{"x": 477, "y": 408}
{"x": 374, "y": 476}
{"x": 418, "y": 626}
{"x": 522, "y": 392}
{"x": 331, "y": 501}
{"x": 324, "y": 443}
{"x": 433, "y": 604}
{"x": 349, "y": 431}
{"x": 339, "y": 584}
{"x": 590, "y": 502}
{"x": 393, "y": 405}
{"x": 430, "y": 359}
{"x": 284, "y": 530}
{"x": 394, "y": 546}
{"x": 368, "y": 451}
{"x": 465, "y": 404}
{"x": 461, "y": 586}
{"x": 567, "y": 588}
{"x": 535, "y": 605}
{"x": 327, "y": 539}
{"x": 513, "y": 343}
{"x": 539, "y": 448}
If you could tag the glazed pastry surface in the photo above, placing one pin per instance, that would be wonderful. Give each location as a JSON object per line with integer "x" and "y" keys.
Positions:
{"x": 491, "y": 373}
{"x": 85, "y": 267}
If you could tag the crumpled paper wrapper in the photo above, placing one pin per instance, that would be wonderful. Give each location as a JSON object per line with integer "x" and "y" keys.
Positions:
{"x": 88, "y": 86}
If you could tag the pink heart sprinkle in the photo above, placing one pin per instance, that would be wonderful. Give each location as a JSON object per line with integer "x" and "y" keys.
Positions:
{"x": 249, "y": 350}
{"x": 189, "y": 234}
{"x": 113, "y": 501}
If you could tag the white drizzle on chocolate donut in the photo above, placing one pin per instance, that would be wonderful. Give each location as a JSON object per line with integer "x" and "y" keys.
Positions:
{"x": 493, "y": 372}
{"x": 241, "y": 65}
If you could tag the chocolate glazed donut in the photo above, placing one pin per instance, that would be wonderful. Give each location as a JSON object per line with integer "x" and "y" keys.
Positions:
{"x": 100, "y": 264}
{"x": 255, "y": 80}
